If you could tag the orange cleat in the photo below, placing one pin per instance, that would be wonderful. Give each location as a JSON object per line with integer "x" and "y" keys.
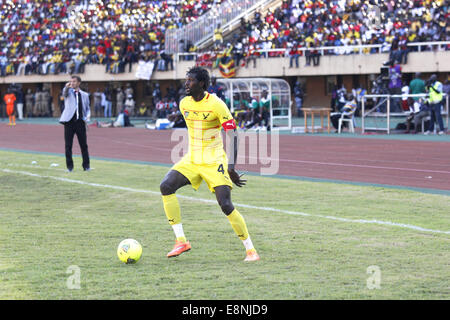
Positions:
{"x": 179, "y": 248}
{"x": 252, "y": 255}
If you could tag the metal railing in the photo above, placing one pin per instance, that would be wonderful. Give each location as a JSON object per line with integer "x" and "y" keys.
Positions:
{"x": 227, "y": 15}
{"x": 386, "y": 99}
{"x": 332, "y": 50}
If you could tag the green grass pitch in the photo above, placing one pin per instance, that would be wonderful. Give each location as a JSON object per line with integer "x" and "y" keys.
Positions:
{"x": 317, "y": 240}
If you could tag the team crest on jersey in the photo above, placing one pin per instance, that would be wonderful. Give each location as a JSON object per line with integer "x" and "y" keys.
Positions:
{"x": 186, "y": 114}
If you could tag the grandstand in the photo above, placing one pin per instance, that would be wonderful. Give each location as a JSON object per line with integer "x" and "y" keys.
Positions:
{"x": 109, "y": 43}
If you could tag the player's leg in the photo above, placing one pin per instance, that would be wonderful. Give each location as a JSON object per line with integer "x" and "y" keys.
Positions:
{"x": 223, "y": 196}
{"x": 169, "y": 185}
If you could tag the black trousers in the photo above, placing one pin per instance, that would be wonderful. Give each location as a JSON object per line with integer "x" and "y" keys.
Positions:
{"x": 71, "y": 128}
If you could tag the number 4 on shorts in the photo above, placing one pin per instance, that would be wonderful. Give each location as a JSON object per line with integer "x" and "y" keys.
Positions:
{"x": 220, "y": 169}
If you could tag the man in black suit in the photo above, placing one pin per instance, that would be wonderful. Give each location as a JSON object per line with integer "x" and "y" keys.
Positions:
{"x": 74, "y": 117}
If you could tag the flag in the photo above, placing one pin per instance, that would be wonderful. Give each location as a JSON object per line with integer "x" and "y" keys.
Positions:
{"x": 227, "y": 67}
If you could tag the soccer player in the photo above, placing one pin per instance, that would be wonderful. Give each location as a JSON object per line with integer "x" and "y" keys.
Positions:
{"x": 205, "y": 114}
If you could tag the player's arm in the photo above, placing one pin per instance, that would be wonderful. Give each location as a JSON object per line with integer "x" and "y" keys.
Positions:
{"x": 229, "y": 125}
{"x": 232, "y": 135}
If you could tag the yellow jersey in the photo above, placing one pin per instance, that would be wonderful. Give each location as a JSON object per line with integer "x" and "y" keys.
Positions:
{"x": 204, "y": 120}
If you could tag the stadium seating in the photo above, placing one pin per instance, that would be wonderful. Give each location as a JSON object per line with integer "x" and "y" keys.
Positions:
{"x": 42, "y": 37}
{"x": 63, "y": 36}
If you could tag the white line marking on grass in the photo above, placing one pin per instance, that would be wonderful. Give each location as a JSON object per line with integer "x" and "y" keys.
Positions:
{"x": 296, "y": 213}
{"x": 34, "y": 166}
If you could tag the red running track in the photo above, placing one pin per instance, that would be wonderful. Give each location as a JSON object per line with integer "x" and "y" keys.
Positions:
{"x": 420, "y": 164}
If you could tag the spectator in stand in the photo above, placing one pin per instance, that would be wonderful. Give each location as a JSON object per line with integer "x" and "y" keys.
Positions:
{"x": 417, "y": 86}
{"x": 395, "y": 54}
{"x": 404, "y": 50}
{"x": 315, "y": 53}
{"x": 395, "y": 85}
{"x": 3, "y": 64}
{"x": 168, "y": 61}
{"x": 251, "y": 54}
{"x": 238, "y": 53}
{"x": 294, "y": 53}
{"x": 218, "y": 38}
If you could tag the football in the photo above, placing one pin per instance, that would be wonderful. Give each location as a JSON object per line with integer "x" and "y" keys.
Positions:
{"x": 129, "y": 251}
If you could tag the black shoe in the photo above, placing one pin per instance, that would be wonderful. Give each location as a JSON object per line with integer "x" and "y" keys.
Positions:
{"x": 87, "y": 169}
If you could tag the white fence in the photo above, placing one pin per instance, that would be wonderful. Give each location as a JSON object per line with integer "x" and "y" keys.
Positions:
{"x": 381, "y": 99}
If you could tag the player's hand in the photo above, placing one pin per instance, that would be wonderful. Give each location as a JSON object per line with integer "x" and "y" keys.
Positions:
{"x": 236, "y": 178}
{"x": 68, "y": 84}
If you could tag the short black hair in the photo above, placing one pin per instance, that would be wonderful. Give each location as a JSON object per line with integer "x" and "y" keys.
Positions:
{"x": 201, "y": 74}
{"x": 77, "y": 77}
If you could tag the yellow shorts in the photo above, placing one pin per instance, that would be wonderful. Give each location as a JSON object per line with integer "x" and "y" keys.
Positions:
{"x": 214, "y": 175}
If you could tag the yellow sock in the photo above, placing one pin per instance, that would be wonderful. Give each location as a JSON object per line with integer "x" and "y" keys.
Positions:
{"x": 173, "y": 214}
{"x": 238, "y": 224}
{"x": 172, "y": 208}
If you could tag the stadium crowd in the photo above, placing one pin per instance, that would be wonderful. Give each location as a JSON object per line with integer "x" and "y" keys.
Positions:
{"x": 41, "y": 37}
{"x": 298, "y": 27}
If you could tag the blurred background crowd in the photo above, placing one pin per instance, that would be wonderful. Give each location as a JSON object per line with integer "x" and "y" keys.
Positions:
{"x": 51, "y": 37}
